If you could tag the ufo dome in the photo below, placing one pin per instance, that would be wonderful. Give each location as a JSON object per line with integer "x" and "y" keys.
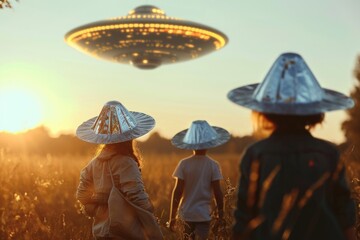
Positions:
{"x": 146, "y": 38}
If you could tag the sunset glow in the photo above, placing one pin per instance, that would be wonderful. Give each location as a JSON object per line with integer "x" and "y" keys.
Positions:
{"x": 19, "y": 110}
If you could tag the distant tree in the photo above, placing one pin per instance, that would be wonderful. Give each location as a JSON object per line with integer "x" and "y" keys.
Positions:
{"x": 5, "y": 4}
{"x": 351, "y": 126}
{"x": 157, "y": 144}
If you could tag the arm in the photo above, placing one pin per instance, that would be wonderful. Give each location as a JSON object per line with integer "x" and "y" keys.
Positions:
{"x": 175, "y": 201}
{"x": 242, "y": 214}
{"x": 218, "y": 197}
{"x": 85, "y": 192}
{"x": 85, "y": 189}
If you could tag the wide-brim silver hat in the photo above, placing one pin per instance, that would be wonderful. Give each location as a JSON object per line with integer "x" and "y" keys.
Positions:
{"x": 200, "y": 135}
{"x": 115, "y": 124}
{"x": 289, "y": 88}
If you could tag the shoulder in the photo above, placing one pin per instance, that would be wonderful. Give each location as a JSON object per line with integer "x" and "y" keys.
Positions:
{"x": 180, "y": 167}
{"x": 186, "y": 163}
{"x": 90, "y": 164}
{"x": 326, "y": 146}
{"x": 212, "y": 161}
{"x": 126, "y": 167}
{"x": 259, "y": 147}
{"x": 185, "y": 160}
{"x": 87, "y": 171}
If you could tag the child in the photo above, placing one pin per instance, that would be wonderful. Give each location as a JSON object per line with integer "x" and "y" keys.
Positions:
{"x": 292, "y": 185}
{"x": 116, "y": 165}
{"x": 196, "y": 177}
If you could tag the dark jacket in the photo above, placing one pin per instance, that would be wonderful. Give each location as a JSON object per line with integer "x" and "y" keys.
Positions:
{"x": 293, "y": 184}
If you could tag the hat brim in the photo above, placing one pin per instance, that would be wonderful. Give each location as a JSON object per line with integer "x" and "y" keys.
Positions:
{"x": 144, "y": 124}
{"x": 223, "y": 137}
{"x": 331, "y": 101}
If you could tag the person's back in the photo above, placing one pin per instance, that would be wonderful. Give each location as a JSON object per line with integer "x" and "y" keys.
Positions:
{"x": 308, "y": 173}
{"x": 198, "y": 172}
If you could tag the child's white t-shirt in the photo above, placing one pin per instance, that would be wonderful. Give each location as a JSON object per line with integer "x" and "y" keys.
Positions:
{"x": 197, "y": 171}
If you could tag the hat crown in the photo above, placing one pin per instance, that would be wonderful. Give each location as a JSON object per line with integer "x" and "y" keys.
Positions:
{"x": 200, "y": 132}
{"x": 114, "y": 118}
{"x": 289, "y": 81}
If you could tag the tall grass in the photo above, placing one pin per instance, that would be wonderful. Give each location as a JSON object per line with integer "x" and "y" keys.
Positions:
{"x": 37, "y": 195}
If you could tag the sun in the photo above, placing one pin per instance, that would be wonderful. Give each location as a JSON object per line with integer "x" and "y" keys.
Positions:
{"x": 20, "y": 110}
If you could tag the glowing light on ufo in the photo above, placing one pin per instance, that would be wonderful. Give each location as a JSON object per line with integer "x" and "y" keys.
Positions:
{"x": 146, "y": 38}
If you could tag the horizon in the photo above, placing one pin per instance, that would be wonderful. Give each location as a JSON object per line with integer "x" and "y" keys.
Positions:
{"x": 143, "y": 138}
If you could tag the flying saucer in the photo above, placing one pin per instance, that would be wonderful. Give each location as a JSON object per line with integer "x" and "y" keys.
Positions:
{"x": 146, "y": 38}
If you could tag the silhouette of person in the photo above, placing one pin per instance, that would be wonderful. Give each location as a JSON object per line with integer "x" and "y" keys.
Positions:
{"x": 292, "y": 185}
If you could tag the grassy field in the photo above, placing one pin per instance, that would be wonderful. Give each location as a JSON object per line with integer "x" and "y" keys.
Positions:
{"x": 37, "y": 194}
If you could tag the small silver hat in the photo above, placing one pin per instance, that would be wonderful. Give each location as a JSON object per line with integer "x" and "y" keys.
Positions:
{"x": 289, "y": 88}
{"x": 200, "y": 135}
{"x": 115, "y": 124}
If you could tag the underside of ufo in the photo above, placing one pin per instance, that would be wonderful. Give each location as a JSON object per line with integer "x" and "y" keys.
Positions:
{"x": 146, "y": 38}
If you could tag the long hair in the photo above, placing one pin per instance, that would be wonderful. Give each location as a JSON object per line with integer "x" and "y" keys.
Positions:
{"x": 128, "y": 148}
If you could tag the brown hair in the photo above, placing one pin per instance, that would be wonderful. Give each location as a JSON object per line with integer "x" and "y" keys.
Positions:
{"x": 262, "y": 127}
{"x": 294, "y": 121}
{"x": 128, "y": 148}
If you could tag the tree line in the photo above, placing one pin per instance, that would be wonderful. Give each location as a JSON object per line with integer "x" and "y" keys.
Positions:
{"x": 39, "y": 142}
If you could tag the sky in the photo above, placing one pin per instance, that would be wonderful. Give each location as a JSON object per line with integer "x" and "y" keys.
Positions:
{"x": 67, "y": 87}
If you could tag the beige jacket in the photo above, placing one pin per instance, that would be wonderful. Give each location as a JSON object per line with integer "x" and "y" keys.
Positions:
{"x": 95, "y": 185}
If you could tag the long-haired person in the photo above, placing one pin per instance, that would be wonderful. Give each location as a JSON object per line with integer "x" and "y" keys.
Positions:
{"x": 292, "y": 185}
{"x": 117, "y": 164}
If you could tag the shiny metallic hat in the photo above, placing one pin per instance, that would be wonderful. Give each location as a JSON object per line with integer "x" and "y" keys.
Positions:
{"x": 289, "y": 88}
{"x": 115, "y": 124}
{"x": 200, "y": 135}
